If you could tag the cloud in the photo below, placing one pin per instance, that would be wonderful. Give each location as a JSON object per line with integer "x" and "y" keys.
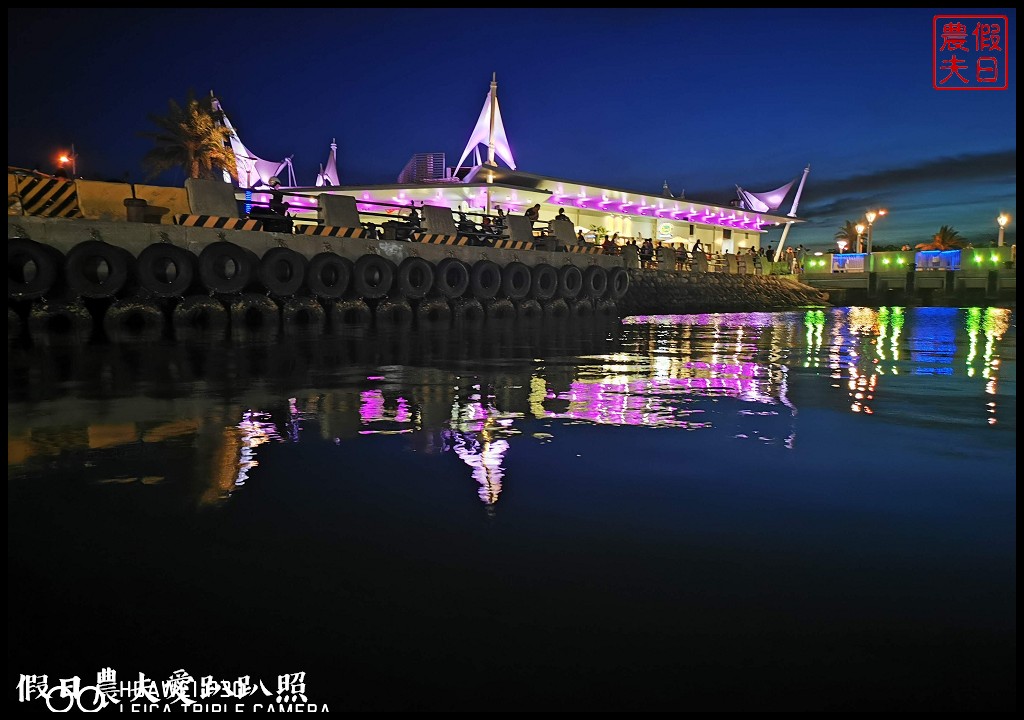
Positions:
{"x": 993, "y": 166}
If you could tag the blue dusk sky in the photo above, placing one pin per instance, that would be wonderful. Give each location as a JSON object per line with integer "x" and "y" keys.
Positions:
{"x": 703, "y": 99}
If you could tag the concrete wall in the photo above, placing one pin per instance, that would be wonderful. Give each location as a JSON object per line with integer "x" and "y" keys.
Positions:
{"x": 661, "y": 293}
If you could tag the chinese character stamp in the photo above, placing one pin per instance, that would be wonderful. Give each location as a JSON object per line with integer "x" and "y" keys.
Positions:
{"x": 969, "y": 52}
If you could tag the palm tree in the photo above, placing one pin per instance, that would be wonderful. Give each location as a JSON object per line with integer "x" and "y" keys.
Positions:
{"x": 945, "y": 239}
{"x": 848, "y": 232}
{"x": 193, "y": 138}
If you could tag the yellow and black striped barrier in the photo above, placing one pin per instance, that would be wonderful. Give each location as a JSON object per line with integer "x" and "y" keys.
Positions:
{"x": 218, "y": 222}
{"x": 585, "y": 249}
{"x": 331, "y": 231}
{"x": 44, "y": 197}
{"x": 436, "y": 239}
{"x": 513, "y": 244}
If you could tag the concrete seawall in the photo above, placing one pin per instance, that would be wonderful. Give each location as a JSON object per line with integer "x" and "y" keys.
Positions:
{"x": 672, "y": 293}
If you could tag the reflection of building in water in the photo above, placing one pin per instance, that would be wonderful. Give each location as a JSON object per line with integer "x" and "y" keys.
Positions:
{"x": 680, "y": 359}
{"x": 993, "y": 324}
{"x": 478, "y": 434}
{"x": 867, "y": 346}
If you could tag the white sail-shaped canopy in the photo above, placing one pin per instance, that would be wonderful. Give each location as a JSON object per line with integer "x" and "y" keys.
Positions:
{"x": 766, "y": 201}
{"x": 489, "y": 131}
{"x": 329, "y": 175}
{"x": 254, "y": 171}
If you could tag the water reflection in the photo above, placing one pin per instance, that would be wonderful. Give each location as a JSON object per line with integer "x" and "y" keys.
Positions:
{"x": 208, "y": 412}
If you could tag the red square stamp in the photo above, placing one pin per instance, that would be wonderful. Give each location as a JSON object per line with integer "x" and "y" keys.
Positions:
{"x": 969, "y": 52}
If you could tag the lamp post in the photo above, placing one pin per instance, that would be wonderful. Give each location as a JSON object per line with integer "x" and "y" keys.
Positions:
{"x": 72, "y": 158}
{"x": 871, "y": 216}
{"x": 860, "y": 233}
{"x": 1002, "y": 220}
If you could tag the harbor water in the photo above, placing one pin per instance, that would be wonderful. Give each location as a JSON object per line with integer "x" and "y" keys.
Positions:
{"x": 804, "y": 510}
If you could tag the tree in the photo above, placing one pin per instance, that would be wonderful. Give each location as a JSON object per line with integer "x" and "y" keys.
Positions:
{"x": 193, "y": 138}
{"x": 945, "y": 239}
{"x": 848, "y": 232}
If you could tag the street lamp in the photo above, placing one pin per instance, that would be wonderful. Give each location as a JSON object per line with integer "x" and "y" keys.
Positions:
{"x": 1002, "y": 220}
{"x": 842, "y": 245}
{"x": 860, "y": 232}
{"x": 871, "y": 216}
{"x": 72, "y": 158}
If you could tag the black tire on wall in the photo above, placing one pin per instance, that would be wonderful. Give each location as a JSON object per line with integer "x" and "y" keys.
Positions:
{"x": 33, "y": 269}
{"x": 529, "y": 311}
{"x": 556, "y": 309}
{"x": 303, "y": 316}
{"x": 346, "y": 314}
{"x": 14, "y": 324}
{"x": 451, "y": 278}
{"x": 544, "y": 285}
{"x": 618, "y": 283}
{"x": 606, "y": 309}
{"x": 199, "y": 316}
{"x": 282, "y": 271}
{"x": 500, "y": 310}
{"x": 329, "y": 276}
{"x": 373, "y": 276}
{"x": 468, "y": 313}
{"x": 127, "y": 321}
{"x": 58, "y": 323}
{"x": 570, "y": 282}
{"x": 95, "y": 269}
{"x": 254, "y": 315}
{"x": 581, "y": 308}
{"x": 393, "y": 314}
{"x": 516, "y": 281}
{"x": 165, "y": 270}
{"x": 485, "y": 279}
{"x": 227, "y": 268}
{"x": 595, "y": 282}
{"x": 434, "y": 314}
{"x": 415, "y": 278}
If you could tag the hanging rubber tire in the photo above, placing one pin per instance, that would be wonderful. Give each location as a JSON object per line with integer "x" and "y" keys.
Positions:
{"x": 165, "y": 270}
{"x": 199, "y": 316}
{"x": 618, "y": 283}
{"x": 282, "y": 271}
{"x": 59, "y": 323}
{"x": 606, "y": 309}
{"x": 581, "y": 308}
{"x": 451, "y": 278}
{"x": 329, "y": 276}
{"x": 303, "y": 316}
{"x": 96, "y": 269}
{"x": 544, "y": 283}
{"x": 556, "y": 309}
{"x": 570, "y": 282}
{"x": 14, "y": 327}
{"x": 134, "y": 321}
{"x": 393, "y": 315}
{"x": 529, "y": 311}
{"x": 468, "y": 313}
{"x": 373, "y": 276}
{"x": 349, "y": 314}
{"x": 33, "y": 269}
{"x": 485, "y": 279}
{"x": 434, "y": 314}
{"x": 253, "y": 314}
{"x": 500, "y": 310}
{"x": 595, "y": 282}
{"x": 226, "y": 268}
{"x": 516, "y": 281}
{"x": 415, "y": 278}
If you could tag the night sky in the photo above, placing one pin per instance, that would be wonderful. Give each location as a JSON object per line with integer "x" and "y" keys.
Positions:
{"x": 703, "y": 99}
